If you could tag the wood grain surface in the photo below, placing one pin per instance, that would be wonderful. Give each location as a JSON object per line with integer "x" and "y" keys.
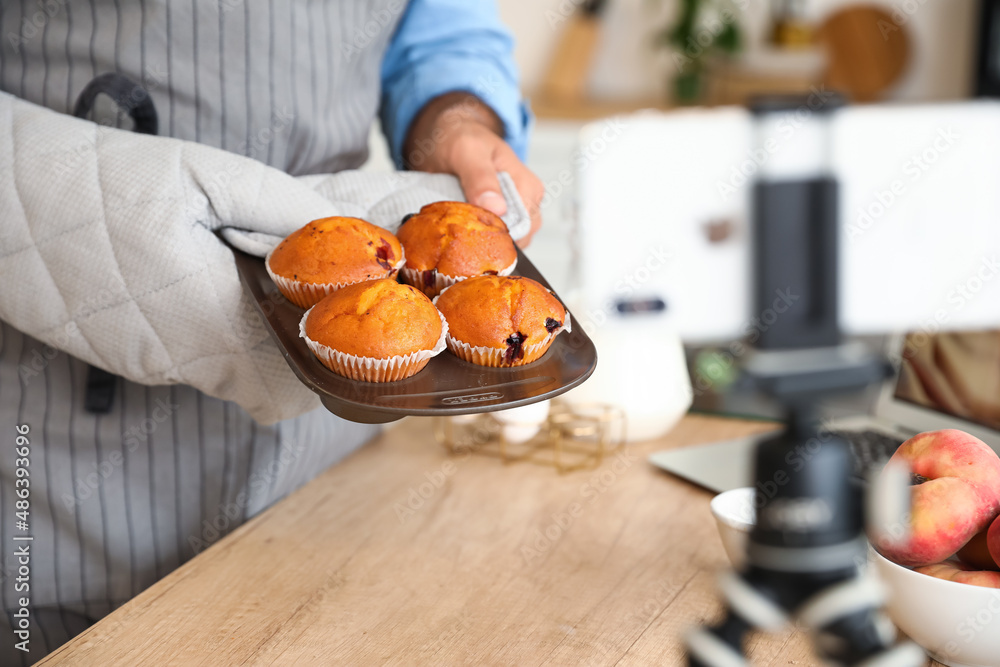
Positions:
{"x": 403, "y": 555}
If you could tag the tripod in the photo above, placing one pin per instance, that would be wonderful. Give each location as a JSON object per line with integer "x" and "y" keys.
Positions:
{"x": 806, "y": 546}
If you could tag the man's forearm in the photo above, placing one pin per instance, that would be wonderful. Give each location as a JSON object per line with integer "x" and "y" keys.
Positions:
{"x": 438, "y": 118}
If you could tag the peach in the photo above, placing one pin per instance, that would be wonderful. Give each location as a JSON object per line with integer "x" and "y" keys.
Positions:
{"x": 993, "y": 540}
{"x": 953, "y": 571}
{"x": 956, "y": 494}
{"x": 976, "y": 553}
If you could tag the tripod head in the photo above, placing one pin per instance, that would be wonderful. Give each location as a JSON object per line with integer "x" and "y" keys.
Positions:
{"x": 806, "y": 496}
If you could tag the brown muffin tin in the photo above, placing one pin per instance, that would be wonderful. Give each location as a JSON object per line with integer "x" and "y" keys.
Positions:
{"x": 447, "y": 386}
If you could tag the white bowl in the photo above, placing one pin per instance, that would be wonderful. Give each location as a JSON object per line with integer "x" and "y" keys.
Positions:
{"x": 523, "y": 423}
{"x": 735, "y": 515}
{"x": 957, "y": 624}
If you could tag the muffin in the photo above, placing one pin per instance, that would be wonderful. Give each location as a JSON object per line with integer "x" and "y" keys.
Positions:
{"x": 376, "y": 331}
{"x": 331, "y": 253}
{"x": 449, "y": 241}
{"x": 501, "y": 321}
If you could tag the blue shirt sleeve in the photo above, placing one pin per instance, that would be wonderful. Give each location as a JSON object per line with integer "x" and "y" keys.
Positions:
{"x": 443, "y": 46}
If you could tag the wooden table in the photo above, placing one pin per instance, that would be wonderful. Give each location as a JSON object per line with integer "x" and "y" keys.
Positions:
{"x": 404, "y": 555}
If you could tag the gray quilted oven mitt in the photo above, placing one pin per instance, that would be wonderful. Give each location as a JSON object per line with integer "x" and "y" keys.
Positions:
{"x": 109, "y": 251}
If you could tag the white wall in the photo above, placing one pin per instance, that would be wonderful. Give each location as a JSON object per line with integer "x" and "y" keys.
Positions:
{"x": 627, "y": 65}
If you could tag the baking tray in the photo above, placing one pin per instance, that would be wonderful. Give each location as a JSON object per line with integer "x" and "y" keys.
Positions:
{"x": 446, "y": 386}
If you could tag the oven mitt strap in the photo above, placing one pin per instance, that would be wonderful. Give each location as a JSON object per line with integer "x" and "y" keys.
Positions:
{"x": 133, "y": 99}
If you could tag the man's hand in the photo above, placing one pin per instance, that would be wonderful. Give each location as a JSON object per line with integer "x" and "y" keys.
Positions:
{"x": 457, "y": 134}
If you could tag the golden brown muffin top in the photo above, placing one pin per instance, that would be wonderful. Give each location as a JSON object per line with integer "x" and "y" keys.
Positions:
{"x": 500, "y": 312}
{"x": 456, "y": 239}
{"x": 336, "y": 250}
{"x": 378, "y": 319}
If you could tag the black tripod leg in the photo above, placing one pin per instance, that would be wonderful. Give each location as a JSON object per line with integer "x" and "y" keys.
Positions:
{"x": 751, "y": 605}
{"x": 849, "y": 628}
{"x": 718, "y": 646}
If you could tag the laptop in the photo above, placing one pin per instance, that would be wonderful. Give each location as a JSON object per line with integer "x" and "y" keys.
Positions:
{"x": 945, "y": 380}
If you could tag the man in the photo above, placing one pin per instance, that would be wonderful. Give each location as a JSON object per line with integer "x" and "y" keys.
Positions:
{"x": 118, "y": 500}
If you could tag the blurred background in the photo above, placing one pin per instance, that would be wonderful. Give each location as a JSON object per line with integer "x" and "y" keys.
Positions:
{"x": 585, "y": 60}
{"x": 630, "y": 61}
{"x": 582, "y": 60}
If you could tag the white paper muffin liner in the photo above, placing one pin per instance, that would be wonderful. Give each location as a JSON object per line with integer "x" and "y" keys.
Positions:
{"x": 442, "y": 282}
{"x": 370, "y": 369}
{"x": 307, "y": 295}
{"x": 493, "y": 357}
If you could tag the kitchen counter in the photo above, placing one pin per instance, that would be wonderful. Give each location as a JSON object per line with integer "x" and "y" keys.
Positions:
{"x": 405, "y": 555}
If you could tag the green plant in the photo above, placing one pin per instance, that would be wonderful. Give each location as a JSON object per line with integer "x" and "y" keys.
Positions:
{"x": 704, "y": 28}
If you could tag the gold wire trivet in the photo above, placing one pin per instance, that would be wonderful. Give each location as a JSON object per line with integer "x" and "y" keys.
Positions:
{"x": 572, "y": 438}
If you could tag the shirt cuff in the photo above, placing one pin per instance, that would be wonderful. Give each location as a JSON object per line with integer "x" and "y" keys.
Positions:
{"x": 449, "y": 73}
